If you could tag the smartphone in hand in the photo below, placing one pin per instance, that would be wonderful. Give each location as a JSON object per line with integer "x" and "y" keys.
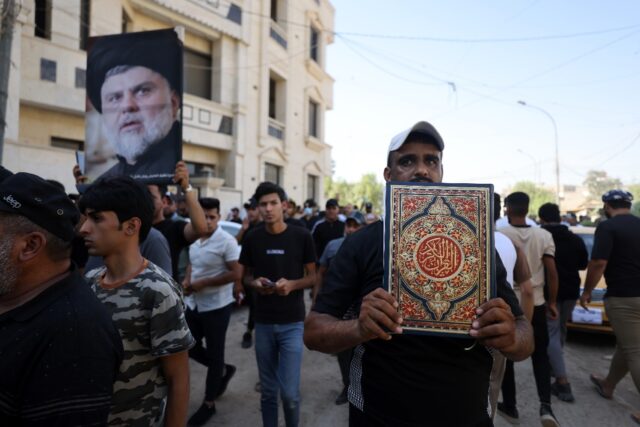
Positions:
{"x": 268, "y": 283}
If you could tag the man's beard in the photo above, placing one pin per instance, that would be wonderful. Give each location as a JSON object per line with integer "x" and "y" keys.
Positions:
{"x": 132, "y": 145}
{"x": 8, "y": 272}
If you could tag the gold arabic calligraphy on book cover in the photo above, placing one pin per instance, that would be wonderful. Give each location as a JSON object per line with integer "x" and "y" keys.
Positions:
{"x": 439, "y": 261}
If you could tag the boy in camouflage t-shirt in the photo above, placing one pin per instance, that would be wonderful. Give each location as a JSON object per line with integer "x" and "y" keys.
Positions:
{"x": 152, "y": 387}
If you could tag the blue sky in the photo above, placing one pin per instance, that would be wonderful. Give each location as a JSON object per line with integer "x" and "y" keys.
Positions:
{"x": 590, "y": 84}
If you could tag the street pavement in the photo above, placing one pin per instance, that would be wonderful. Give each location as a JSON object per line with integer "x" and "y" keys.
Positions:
{"x": 585, "y": 353}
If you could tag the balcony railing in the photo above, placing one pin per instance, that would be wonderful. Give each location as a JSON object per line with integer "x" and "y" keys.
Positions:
{"x": 276, "y": 129}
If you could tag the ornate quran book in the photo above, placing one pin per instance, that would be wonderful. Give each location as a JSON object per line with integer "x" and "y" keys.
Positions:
{"x": 439, "y": 262}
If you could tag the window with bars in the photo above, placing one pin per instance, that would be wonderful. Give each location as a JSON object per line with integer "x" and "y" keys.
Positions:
{"x": 314, "y": 45}
{"x": 314, "y": 109}
{"x": 272, "y": 173}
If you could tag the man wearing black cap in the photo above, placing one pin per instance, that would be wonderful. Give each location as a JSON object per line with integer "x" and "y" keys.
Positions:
{"x": 410, "y": 380}
{"x": 60, "y": 350}
{"x": 616, "y": 254}
{"x": 329, "y": 228}
{"x": 134, "y": 81}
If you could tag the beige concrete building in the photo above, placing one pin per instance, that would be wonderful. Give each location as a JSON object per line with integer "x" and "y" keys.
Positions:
{"x": 256, "y": 88}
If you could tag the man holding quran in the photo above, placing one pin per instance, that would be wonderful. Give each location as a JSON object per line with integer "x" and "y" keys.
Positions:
{"x": 433, "y": 301}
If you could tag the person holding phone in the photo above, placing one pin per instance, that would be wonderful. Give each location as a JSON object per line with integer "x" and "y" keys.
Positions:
{"x": 279, "y": 263}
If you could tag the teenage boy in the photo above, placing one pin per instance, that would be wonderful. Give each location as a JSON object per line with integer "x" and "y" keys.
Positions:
{"x": 213, "y": 268}
{"x": 152, "y": 387}
{"x": 281, "y": 262}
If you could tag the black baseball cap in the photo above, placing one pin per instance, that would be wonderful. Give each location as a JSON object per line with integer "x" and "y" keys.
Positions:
{"x": 357, "y": 217}
{"x": 160, "y": 51}
{"x": 42, "y": 203}
{"x": 330, "y": 203}
{"x": 4, "y": 173}
{"x": 618, "y": 194}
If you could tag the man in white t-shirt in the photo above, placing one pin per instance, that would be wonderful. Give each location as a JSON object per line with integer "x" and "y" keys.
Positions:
{"x": 539, "y": 248}
{"x": 209, "y": 283}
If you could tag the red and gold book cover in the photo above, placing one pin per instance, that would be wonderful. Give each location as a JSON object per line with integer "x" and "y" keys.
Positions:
{"x": 439, "y": 262}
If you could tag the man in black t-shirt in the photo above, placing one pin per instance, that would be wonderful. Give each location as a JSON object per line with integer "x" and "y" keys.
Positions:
{"x": 60, "y": 350}
{"x": 179, "y": 234}
{"x": 410, "y": 380}
{"x": 329, "y": 228}
{"x": 280, "y": 261}
{"x": 616, "y": 254}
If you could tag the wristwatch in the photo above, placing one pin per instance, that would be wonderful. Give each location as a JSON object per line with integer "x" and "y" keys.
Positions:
{"x": 189, "y": 189}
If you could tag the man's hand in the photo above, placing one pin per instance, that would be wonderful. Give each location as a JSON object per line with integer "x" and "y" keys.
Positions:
{"x": 77, "y": 174}
{"x": 585, "y": 299}
{"x": 238, "y": 291}
{"x": 181, "y": 176}
{"x": 552, "y": 311}
{"x": 259, "y": 285}
{"x": 495, "y": 325}
{"x": 379, "y": 316}
{"x": 284, "y": 287}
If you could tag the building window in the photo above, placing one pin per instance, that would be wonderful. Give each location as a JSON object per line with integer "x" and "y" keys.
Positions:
{"x": 312, "y": 187}
{"x": 226, "y": 125}
{"x": 127, "y": 23}
{"x": 47, "y": 70}
{"x": 272, "y": 173}
{"x": 197, "y": 74}
{"x": 43, "y": 19}
{"x": 272, "y": 98}
{"x": 314, "y": 109}
{"x": 81, "y": 78}
{"x": 314, "y": 45}
{"x": 69, "y": 144}
{"x": 201, "y": 169}
{"x": 85, "y": 23}
{"x": 274, "y": 10}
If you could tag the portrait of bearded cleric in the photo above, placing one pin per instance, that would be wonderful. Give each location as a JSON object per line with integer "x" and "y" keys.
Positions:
{"x": 134, "y": 87}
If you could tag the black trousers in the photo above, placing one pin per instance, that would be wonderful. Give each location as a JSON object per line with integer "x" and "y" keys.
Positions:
{"x": 539, "y": 359}
{"x": 250, "y": 297}
{"x": 212, "y": 326}
{"x": 344, "y": 361}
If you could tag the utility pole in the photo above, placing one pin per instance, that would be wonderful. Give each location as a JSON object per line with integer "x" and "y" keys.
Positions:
{"x": 6, "y": 38}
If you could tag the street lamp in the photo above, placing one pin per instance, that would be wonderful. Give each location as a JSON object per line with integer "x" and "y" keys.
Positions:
{"x": 555, "y": 135}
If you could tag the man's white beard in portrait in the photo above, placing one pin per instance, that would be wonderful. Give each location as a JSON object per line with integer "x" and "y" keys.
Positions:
{"x": 132, "y": 145}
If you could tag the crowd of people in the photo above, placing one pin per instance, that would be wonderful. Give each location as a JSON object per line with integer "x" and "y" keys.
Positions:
{"x": 105, "y": 299}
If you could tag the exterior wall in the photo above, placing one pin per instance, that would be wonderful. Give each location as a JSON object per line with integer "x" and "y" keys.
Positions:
{"x": 239, "y": 37}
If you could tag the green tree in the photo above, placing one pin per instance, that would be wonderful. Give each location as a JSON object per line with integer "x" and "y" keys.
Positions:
{"x": 635, "y": 209}
{"x": 538, "y": 195}
{"x": 635, "y": 190}
{"x": 368, "y": 189}
{"x": 598, "y": 183}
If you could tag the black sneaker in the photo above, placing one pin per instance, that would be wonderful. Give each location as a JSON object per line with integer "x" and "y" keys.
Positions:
{"x": 246, "y": 340}
{"x": 202, "y": 415}
{"x": 229, "y": 371}
{"x": 509, "y": 414}
{"x": 562, "y": 392}
{"x": 342, "y": 397}
{"x": 546, "y": 416}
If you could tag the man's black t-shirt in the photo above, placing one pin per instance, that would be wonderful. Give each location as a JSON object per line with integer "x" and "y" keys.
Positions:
{"x": 571, "y": 256}
{"x": 173, "y": 231}
{"x": 325, "y": 232}
{"x": 60, "y": 354}
{"x": 618, "y": 241}
{"x": 411, "y": 380}
{"x": 276, "y": 256}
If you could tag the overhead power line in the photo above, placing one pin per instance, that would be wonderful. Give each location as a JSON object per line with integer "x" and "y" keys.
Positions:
{"x": 489, "y": 40}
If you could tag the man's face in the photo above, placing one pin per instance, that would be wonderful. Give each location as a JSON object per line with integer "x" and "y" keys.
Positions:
{"x": 158, "y": 203}
{"x": 183, "y": 210}
{"x": 348, "y": 209}
{"x": 331, "y": 213}
{"x": 9, "y": 269}
{"x": 168, "y": 207}
{"x": 271, "y": 208}
{"x": 138, "y": 110}
{"x": 102, "y": 232}
{"x": 351, "y": 227}
{"x": 415, "y": 161}
{"x": 253, "y": 214}
{"x": 212, "y": 216}
{"x": 607, "y": 210}
{"x": 235, "y": 213}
